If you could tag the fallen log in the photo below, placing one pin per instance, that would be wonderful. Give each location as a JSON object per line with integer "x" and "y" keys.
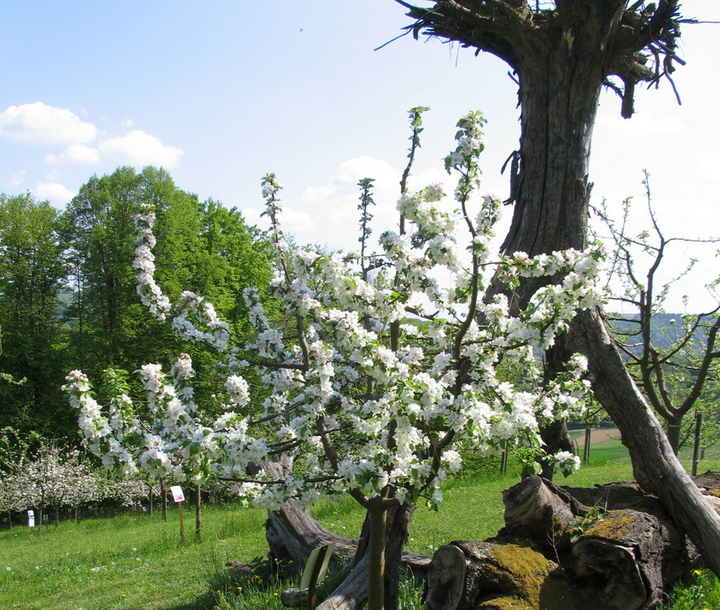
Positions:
{"x": 624, "y": 559}
{"x": 607, "y": 558}
{"x": 292, "y": 535}
{"x": 539, "y": 510}
{"x": 491, "y": 576}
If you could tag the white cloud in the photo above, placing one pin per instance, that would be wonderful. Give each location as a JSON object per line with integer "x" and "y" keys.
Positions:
{"x": 75, "y": 153}
{"x": 18, "y": 178}
{"x": 328, "y": 214}
{"x": 54, "y": 191}
{"x": 80, "y": 153}
{"x": 39, "y": 123}
{"x": 142, "y": 148}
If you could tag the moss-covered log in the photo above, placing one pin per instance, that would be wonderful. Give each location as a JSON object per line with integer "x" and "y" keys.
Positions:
{"x": 490, "y": 576}
{"x": 625, "y": 558}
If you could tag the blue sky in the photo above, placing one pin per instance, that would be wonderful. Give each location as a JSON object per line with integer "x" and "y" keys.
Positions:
{"x": 222, "y": 92}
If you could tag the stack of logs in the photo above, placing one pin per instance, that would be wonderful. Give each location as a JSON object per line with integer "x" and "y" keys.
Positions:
{"x": 611, "y": 547}
{"x": 607, "y": 548}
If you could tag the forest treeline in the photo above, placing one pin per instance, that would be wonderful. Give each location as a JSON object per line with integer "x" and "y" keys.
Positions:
{"x": 68, "y": 295}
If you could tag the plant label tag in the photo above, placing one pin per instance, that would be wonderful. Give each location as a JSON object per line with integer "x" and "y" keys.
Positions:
{"x": 31, "y": 518}
{"x": 177, "y": 493}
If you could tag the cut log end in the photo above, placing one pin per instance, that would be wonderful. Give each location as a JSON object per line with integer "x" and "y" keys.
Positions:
{"x": 608, "y": 573}
{"x": 446, "y": 578}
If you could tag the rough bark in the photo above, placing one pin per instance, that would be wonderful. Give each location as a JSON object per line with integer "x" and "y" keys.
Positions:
{"x": 538, "y": 510}
{"x": 294, "y": 598}
{"x": 293, "y": 534}
{"x": 620, "y": 558}
{"x": 352, "y": 593}
{"x": 625, "y": 560}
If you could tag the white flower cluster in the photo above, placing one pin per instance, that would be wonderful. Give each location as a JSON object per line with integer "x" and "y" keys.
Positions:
{"x": 194, "y": 310}
{"x": 196, "y": 319}
{"x": 150, "y": 293}
{"x": 367, "y": 398}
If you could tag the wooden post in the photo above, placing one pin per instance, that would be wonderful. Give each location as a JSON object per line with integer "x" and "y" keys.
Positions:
{"x": 163, "y": 493}
{"x": 198, "y": 518}
{"x": 586, "y": 448}
{"x": 696, "y": 446}
{"x": 182, "y": 528}
{"x": 179, "y": 498}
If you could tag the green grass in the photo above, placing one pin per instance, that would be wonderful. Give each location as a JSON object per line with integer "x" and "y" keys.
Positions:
{"x": 704, "y": 594}
{"x": 128, "y": 562}
{"x": 136, "y": 562}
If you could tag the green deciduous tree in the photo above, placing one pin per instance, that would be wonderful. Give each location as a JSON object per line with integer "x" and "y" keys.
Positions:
{"x": 201, "y": 246}
{"x": 32, "y": 274}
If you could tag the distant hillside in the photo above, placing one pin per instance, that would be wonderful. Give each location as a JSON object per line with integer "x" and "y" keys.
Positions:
{"x": 667, "y": 329}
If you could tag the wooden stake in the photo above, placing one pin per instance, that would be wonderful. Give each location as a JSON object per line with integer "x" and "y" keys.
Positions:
{"x": 182, "y": 528}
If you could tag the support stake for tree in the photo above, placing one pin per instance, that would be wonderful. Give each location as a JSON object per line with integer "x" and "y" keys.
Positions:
{"x": 198, "y": 518}
{"x": 179, "y": 498}
{"x": 163, "y": 493}
{"x": 696, "y": 445}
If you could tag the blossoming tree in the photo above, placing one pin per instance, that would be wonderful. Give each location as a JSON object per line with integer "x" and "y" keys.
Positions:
{"x": 562, "y": 53}
{"x": 373, "y": 382}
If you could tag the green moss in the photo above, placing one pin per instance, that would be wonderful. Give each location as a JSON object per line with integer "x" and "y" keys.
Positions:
{"x": 504, "y": 603}
{"x": 615, "y": 525}
{"x": 517, "y": 570}
{"x": 515, "y": 577}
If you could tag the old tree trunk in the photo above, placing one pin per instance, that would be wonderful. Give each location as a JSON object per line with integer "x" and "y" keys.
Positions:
{"x": 292, "y": 535}
{"x": 562, "y": 57}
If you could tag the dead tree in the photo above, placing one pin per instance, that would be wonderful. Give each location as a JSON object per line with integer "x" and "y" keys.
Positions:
{"x": 562, "y": 56}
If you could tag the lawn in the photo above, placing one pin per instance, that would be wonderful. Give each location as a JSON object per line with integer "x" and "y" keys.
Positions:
{"x": 136, "y": 562}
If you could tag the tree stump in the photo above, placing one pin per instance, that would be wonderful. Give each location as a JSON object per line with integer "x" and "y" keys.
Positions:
{"x": 292, "y": 535}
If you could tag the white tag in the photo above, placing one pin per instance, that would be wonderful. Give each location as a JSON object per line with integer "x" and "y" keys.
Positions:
{"x": 177, "y": 493}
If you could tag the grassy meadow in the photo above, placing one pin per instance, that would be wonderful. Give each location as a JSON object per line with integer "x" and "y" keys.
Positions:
{"x": 136, "y": 562}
